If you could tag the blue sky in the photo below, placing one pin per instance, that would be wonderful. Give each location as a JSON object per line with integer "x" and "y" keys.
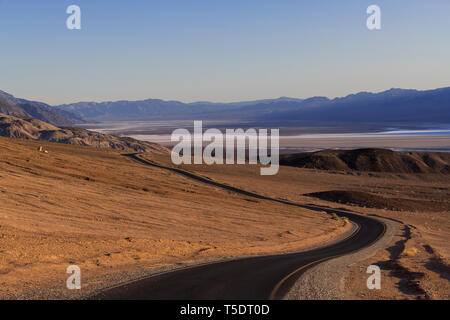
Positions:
{"x": 220, "y": 50}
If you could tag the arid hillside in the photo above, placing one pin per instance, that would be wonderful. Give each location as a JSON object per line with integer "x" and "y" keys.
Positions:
{"x": 34, "y": 129}
{"x": 119, "y": 220}
{"x": 375, "y": 160}
{"x": 415, "y": 265}
{"x": 22, "y": 108}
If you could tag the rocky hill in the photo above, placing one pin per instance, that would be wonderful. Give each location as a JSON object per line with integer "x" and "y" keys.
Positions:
{"x": 375, "y": 160}
{"x": 34, "y": 129}
{"x": 12, "y": 106}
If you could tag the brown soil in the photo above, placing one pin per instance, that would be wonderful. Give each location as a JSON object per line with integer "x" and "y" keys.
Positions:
{"x": 118, "y": 220}
{"x": 423, "y": 275}
{"x": 410, "y": 269}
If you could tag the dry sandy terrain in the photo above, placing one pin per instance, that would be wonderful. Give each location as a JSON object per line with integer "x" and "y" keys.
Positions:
{"x": 415, "y": 265}
{"x": 118, "y": 220}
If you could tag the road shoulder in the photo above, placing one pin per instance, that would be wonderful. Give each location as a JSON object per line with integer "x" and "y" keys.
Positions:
{"x": 326, "y": 280}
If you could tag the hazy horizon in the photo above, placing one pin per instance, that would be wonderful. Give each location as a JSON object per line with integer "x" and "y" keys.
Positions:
{"x": 220, "y": 102}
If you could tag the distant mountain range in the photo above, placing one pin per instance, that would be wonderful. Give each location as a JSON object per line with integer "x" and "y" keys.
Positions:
{"x": 155, "y": 109}
{"x": 395, "y": 105}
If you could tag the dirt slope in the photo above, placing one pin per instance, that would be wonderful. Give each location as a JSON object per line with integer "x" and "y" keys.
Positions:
{"x": 120, "y": 220}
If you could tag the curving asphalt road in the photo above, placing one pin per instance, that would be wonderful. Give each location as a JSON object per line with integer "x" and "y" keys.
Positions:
{"x": 256, "y": 278}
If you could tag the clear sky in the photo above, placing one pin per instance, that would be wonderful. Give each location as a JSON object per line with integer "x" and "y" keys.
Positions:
{"x": 220, "y": 50}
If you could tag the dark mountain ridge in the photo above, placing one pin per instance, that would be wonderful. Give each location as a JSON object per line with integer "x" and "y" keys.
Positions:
{"x": 395, "y": 105}
{"x": 13, "y": 106}
{"x": 371, "y": 160}
{"x": 391, "y": 106}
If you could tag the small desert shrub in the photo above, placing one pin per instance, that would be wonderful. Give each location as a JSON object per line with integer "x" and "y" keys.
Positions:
{"x": 334, "y": 216}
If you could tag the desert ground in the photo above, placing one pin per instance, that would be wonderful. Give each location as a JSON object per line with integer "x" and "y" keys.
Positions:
{"x": 415, "y": 265}
{"x": 118, "y": 220}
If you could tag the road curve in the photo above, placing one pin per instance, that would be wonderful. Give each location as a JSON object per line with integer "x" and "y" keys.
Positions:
{"x": 255, "y": 278}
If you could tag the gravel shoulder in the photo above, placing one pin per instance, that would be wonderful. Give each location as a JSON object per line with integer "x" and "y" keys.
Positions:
{"x": 326, "y": 281}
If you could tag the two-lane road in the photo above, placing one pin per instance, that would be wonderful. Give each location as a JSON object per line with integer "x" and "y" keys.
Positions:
{"x": 256, "y": 278}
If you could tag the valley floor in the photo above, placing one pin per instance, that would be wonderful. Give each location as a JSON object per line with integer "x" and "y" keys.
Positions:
{"x": 416, "y": 265}
{"x": 119, "y": 220}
